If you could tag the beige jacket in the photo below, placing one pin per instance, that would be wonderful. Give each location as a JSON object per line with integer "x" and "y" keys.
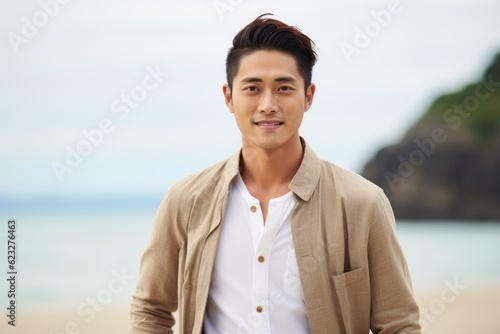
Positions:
{"x": 353, "y": 272}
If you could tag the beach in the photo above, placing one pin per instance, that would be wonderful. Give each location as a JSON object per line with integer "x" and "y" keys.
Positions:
{"x": 449, "y": 309}
{"x": 474, "y": 309}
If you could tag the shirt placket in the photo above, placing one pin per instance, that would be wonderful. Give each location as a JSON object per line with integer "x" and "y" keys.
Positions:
{"x": 263, "y": 241}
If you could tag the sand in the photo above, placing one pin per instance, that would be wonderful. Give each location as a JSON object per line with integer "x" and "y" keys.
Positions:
{"x": 473, "y": 310}
{"x": 462, "y": 310}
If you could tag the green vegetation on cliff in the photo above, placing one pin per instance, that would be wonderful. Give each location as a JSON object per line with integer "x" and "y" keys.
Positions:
{"x": 447, "y": 166}
{"x": 478, "y": 106}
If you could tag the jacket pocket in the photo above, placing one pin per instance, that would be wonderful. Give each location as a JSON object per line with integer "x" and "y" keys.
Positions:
{"x": 343, "y": 280}
{"x": 352, "y": 298}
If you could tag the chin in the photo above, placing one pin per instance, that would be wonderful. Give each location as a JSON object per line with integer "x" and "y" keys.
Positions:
{"x": 270, "y": 145}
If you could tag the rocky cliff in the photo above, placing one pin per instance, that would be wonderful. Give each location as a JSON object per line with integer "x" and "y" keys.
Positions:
{"x": 447, "y": 166}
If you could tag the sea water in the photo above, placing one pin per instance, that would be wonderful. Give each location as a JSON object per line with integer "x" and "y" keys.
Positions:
{"x": 67, "y": 259}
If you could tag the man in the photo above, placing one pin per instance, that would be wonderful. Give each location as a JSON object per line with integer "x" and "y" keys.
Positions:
{"x": 274, "y": 239}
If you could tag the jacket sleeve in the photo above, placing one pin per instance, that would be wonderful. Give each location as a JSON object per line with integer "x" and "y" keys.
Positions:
{"x": 393, "y": 308}
{"x": 155, "y": 298}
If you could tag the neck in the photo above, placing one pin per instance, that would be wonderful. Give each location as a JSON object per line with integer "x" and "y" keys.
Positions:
{"x": 271, "y": 168}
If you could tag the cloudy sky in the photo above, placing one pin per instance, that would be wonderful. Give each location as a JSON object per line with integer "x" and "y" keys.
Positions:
{"x": 143, "y": 80}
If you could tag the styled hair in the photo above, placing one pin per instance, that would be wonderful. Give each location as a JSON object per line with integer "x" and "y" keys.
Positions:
{"x": 270, "y": 34}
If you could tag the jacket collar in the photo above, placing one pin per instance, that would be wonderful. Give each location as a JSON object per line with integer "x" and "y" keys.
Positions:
{"x": 303, "y": 183}
{"x": 307, "y": 177}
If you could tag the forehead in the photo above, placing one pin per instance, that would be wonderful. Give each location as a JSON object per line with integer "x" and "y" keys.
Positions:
{"x": 266, "y": 64}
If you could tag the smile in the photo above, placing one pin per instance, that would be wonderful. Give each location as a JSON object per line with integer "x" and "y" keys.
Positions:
{"x": 269, "y": 123}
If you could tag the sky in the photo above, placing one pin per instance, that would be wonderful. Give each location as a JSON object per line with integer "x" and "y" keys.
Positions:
{"x": 67, "y": 68}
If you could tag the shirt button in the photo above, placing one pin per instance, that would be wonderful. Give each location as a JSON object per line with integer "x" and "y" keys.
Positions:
{"x": 261, "y": 259}
{"x": 259, "y": 309}
{"x": 253, "y": 208}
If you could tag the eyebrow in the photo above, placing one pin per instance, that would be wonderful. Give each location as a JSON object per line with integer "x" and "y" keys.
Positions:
{"x": 280, "y": 79}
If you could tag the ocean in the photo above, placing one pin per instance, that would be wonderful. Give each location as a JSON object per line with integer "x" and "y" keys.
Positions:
{"x": 66, "y": 259}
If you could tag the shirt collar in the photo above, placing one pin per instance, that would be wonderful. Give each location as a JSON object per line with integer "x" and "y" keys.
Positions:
{"x": 303, "y": 183}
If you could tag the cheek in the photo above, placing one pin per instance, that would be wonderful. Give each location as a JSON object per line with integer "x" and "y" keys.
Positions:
{"x": 242, "y": 108}
{"x": 242, "y": 119}
{"x": 296, "y": 112}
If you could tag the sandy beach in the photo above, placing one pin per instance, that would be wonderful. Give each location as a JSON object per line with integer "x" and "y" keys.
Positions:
{"x": 451, "y": 309}
{"x": 474, "y": 309}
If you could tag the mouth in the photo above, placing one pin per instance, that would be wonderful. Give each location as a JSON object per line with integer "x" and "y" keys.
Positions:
{"x": 269, "y": 125}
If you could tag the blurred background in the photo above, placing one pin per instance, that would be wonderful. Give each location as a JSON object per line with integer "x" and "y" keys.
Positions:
{"x": 104, "y": 105}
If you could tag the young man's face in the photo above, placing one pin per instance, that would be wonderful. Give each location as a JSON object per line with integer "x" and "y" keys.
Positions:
{"x": 268, "y": 99}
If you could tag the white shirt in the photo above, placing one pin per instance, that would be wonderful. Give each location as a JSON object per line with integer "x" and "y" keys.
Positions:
{"x": 255, "y": 285}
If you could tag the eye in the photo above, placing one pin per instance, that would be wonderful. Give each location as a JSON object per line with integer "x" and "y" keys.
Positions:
{"x": 251, "y": 88}
{"x": 285, "y": 88}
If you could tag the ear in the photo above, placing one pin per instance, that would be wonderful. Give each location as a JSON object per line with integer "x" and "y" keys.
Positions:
{"x": 227, "y": 97}
{"x": 309, "y": 96}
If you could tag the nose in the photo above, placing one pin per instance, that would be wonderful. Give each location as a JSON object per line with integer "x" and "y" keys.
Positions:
{"x": 267, "y": 103}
